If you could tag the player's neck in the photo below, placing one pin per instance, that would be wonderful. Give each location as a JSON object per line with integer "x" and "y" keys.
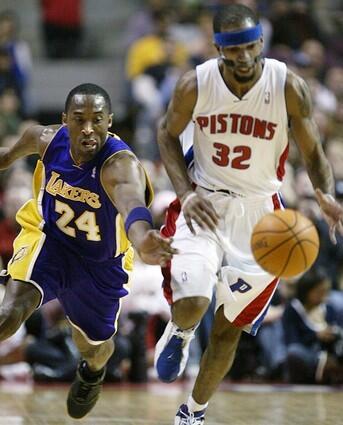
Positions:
{"x": 238, "y": 88}
{"x": 76, "y": 159}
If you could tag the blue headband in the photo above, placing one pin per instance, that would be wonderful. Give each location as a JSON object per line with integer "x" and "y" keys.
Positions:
{"x": 238, "y": 37}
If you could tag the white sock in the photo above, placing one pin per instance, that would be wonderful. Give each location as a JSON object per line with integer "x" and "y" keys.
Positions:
{"x": 193, "y": 406}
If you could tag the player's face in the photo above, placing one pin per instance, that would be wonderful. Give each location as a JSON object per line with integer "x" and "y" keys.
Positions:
{"x": 88, "y": 121}
{"x": 242, "y": 60}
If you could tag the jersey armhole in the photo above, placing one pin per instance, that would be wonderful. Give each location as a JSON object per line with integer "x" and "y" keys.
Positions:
{"x": 44, "y": 153}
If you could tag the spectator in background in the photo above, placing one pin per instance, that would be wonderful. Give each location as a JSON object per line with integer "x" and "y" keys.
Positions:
{"x": 62, "y": 28}
{"x": 312, "y": 334}
{"x": 270, "y": 338}
{"x": 13, "y": 199}
{"x": 334, "y": 81}
{"x": 154, "y": 63}
{"x": 292, "y": 23}
{"x": 150, "y": 51}
{"x": 19, "y": 57}
{"x": 142, "y": 22}
{"x": 9, "y": 113}
{"x": 8, "y": 78}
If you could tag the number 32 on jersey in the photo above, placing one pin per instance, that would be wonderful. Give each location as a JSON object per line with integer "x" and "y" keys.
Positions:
{"x": 235, "y": 158}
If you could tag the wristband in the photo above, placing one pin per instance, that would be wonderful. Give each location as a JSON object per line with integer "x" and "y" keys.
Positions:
{"x": 138, "y": 214}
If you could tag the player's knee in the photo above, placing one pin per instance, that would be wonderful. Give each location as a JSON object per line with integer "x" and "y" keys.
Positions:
{"x": 188, "y": 311}
{"x": 10, "y": 320}
{"x": 99, "y": 352}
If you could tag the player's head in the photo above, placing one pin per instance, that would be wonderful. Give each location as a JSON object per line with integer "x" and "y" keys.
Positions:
{"x": 238, "y": 39}
{"x": 88, "y": 116}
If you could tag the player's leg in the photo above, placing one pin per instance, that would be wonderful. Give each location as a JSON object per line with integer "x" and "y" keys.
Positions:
{"x": 187, "y": 312}
{"x": 96, "y": 356}
{"x": 188, "y": 286}
{"x": 20, "y": 300}
{"x": 215, "y": 364}
{"x": 92, "y": 306}
{"x": 192, "y": 278}
{"x": 217, "y": 358}
{"x": 90, "y": 374}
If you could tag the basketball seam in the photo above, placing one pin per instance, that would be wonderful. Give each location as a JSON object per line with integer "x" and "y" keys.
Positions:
{"x": 300, "y": 242}
{"x": 289, "y": 256}
{"x": 279, "y": 231}
{"x": 286, "y": 240}
{"x": 285, "y": 222}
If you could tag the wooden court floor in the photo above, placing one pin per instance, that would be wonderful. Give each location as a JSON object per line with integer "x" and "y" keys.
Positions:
{"x": 155, "y": 404}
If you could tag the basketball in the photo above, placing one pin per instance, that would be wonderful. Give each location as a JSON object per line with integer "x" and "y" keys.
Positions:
{"x": 285, "y": 243}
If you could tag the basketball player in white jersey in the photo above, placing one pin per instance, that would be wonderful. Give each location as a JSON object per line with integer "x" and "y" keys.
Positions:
{"x": 241, "y": 107}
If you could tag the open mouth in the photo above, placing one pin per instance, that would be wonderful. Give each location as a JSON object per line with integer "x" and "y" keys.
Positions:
{"x": 89, "y": 144}
{"x": 244, "y": 69}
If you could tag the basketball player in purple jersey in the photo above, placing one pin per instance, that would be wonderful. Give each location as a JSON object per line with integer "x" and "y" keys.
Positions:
{"x": 90, "y": 203}
{"x": 237, "y": 110}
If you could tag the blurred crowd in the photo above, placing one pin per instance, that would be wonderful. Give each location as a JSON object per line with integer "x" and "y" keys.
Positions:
{"x": 301, "y": 340}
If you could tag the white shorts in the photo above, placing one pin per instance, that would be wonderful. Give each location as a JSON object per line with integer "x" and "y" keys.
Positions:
{"x": 222, "y": 261}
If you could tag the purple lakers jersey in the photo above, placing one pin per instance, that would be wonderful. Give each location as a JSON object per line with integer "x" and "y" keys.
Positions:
{"x": 71, "y": 205}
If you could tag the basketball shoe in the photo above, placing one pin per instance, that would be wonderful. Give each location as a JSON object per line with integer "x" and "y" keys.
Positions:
{"x": 185, "y": 417}
{"x": 171, "y": 352}
{"x": 84, "y": 391}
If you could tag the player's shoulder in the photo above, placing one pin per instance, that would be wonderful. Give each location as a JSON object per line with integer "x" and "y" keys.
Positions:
{"x": 41, "y": 132}
{"x": 188, "y": 82}
{"x": 295, "y": 85}
{"x": 186, "y": 91}
{"x": 45, "y": 134}
{"x": 122, "y": 158}
{"x": 297, "y": 94}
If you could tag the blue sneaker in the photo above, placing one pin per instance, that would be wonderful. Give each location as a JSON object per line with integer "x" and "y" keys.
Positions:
{"x": 185, "y": 417}
{"x": 171, "y": 352}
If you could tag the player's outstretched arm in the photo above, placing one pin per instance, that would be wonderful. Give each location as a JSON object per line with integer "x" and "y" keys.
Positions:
{"x": 306, "y": 136}
{"x": 34, "y": 140}
{"x": 124, "y": 180}
{"x": 179, "y": 114}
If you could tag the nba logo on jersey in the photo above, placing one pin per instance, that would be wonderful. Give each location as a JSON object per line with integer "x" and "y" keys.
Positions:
{"x": 267, "y": 97}
{"x": 19, "y": 255}
{"x": 93, "y": 172}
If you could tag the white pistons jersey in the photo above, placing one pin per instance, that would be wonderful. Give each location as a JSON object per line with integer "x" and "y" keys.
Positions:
{"x": 240, "y": 145}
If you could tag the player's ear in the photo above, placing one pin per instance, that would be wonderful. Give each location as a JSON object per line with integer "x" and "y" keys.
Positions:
{"x": 64, "y": 118}
{"x": 110, "y": 120}
{"x": 217, "y": 47}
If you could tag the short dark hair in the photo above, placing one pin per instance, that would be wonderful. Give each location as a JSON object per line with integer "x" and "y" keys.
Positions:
{"x": 310, "y": 280}
{"x": 233, "y": 14}
{"x": 88, "y": 89}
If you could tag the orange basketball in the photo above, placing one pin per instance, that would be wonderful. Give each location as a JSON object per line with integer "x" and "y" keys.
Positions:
{"x": 285, "y": 243}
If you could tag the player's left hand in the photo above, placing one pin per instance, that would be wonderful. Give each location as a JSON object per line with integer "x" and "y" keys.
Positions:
{"x": 155, "y": 249}
{"x": 332, "y": 212}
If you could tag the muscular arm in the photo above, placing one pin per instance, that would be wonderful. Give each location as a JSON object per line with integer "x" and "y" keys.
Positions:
{"x": 34, "y": 140}
{"x": 124, "y": 181}
{"x": 306, "y": 134}
{"x": 179, "y": 114}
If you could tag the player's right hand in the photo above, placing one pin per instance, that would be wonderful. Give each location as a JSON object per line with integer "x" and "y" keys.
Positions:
{"x": 155, "y": 249}
{"x": 199, "y": 209}
{"x": 332, "y": 212}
